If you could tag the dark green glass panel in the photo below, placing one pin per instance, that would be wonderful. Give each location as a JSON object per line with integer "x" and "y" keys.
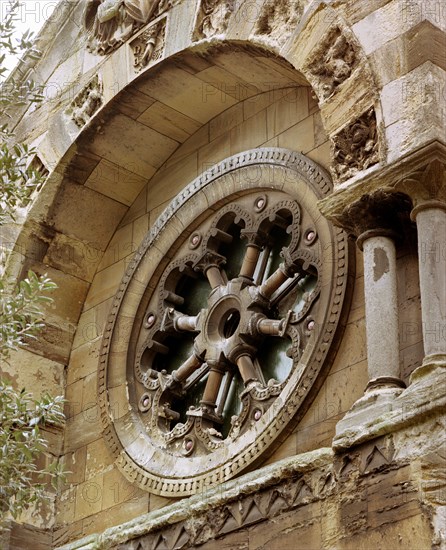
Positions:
{"x": 234, "y": 252}
{"x": 306, "y": 286}
{"x": 281, "y": 240}
{"x": 195, "y": 294}
{"x": 180, "y": 350}
{"x": 294, "y": 298}
{"x": 273, "y": 359}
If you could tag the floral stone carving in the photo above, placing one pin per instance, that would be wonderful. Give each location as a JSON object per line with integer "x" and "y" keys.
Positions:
{"x": 278, "y": 19}
{"x": 332, "y": 63}
{"x": 356, "y": 147}
{"x": 87, "y": 102}
{"x": 212, "y": 351}
{"x": 110, "y": 23}
{"x": 212, "y": 18}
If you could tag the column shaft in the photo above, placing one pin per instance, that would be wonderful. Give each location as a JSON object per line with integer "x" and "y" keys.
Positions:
{"x": 381, "y": 307}
{"x": 431, "y": 225}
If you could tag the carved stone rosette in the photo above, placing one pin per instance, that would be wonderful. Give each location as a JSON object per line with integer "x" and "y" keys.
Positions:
{"x": 222, "y": 323}
{"x": 87, "y": 102}
{"x": 356, "y": 147}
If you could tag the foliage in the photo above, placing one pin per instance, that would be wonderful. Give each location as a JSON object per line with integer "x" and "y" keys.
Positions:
{"x": 18, "y": 177}
{"x": 21, "y": 313}
{"x": 22, "y": 481}
{"x": 21, "y": 416}
{"x": 21, "y": 443}
{"x": 12, "y": 94}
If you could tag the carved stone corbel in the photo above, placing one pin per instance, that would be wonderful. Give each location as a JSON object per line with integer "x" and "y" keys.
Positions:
{"x": 278, "y": 19}
{"x": 213, "y": 17}
{"x": 148, "y": 46}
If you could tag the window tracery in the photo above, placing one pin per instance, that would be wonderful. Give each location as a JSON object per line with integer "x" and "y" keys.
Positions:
{"x": 222, "y": 323}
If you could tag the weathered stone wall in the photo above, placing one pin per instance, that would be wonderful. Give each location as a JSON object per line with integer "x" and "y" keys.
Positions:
{"x": 358, "y": 88}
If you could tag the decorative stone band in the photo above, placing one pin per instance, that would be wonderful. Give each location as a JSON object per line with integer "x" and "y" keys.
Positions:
{"x": 290, "y": 499}
{"x": 260, "y": 495}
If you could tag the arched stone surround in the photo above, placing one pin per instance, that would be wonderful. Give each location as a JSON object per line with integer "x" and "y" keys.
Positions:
{"x": 134, "y": 104}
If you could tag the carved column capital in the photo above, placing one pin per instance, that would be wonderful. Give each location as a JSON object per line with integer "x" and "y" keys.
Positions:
{"x": 380, "y": 213}
{"x": 209, "y": 259}
{"x": 426, "y": 184}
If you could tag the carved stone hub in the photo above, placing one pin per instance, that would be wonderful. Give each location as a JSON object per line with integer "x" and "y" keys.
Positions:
{"x": 215, "y": 347}
{"x": 87, "y": 102}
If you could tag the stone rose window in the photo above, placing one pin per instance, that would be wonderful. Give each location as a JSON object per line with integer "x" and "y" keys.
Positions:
{"x": 221, "y": 329}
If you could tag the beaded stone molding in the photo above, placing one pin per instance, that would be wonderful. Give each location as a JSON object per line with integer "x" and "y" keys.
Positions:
{"x": 222, "y": 329}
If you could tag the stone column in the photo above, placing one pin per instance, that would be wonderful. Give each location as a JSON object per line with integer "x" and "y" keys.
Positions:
{"x": 376, "y": 220}
{"x": 430, "y": 216}
{"x": 381, "y": 308}
{"x": 417, "y": 184}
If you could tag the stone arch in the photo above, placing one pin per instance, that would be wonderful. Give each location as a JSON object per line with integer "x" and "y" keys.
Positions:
{"x": 83, "y": 129}
{"x": 98, "y": 126}
{"x": 70, "y": 226}
{"x": 318, "y": 30}
{"x": 91, "y": 180}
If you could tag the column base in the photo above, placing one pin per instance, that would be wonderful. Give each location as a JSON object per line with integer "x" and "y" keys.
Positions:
{"x": 363, "y": 418}
{"x": 384, "y": 383}
{"x": 384, "y": 410}
{"x": 432, "y": 365}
